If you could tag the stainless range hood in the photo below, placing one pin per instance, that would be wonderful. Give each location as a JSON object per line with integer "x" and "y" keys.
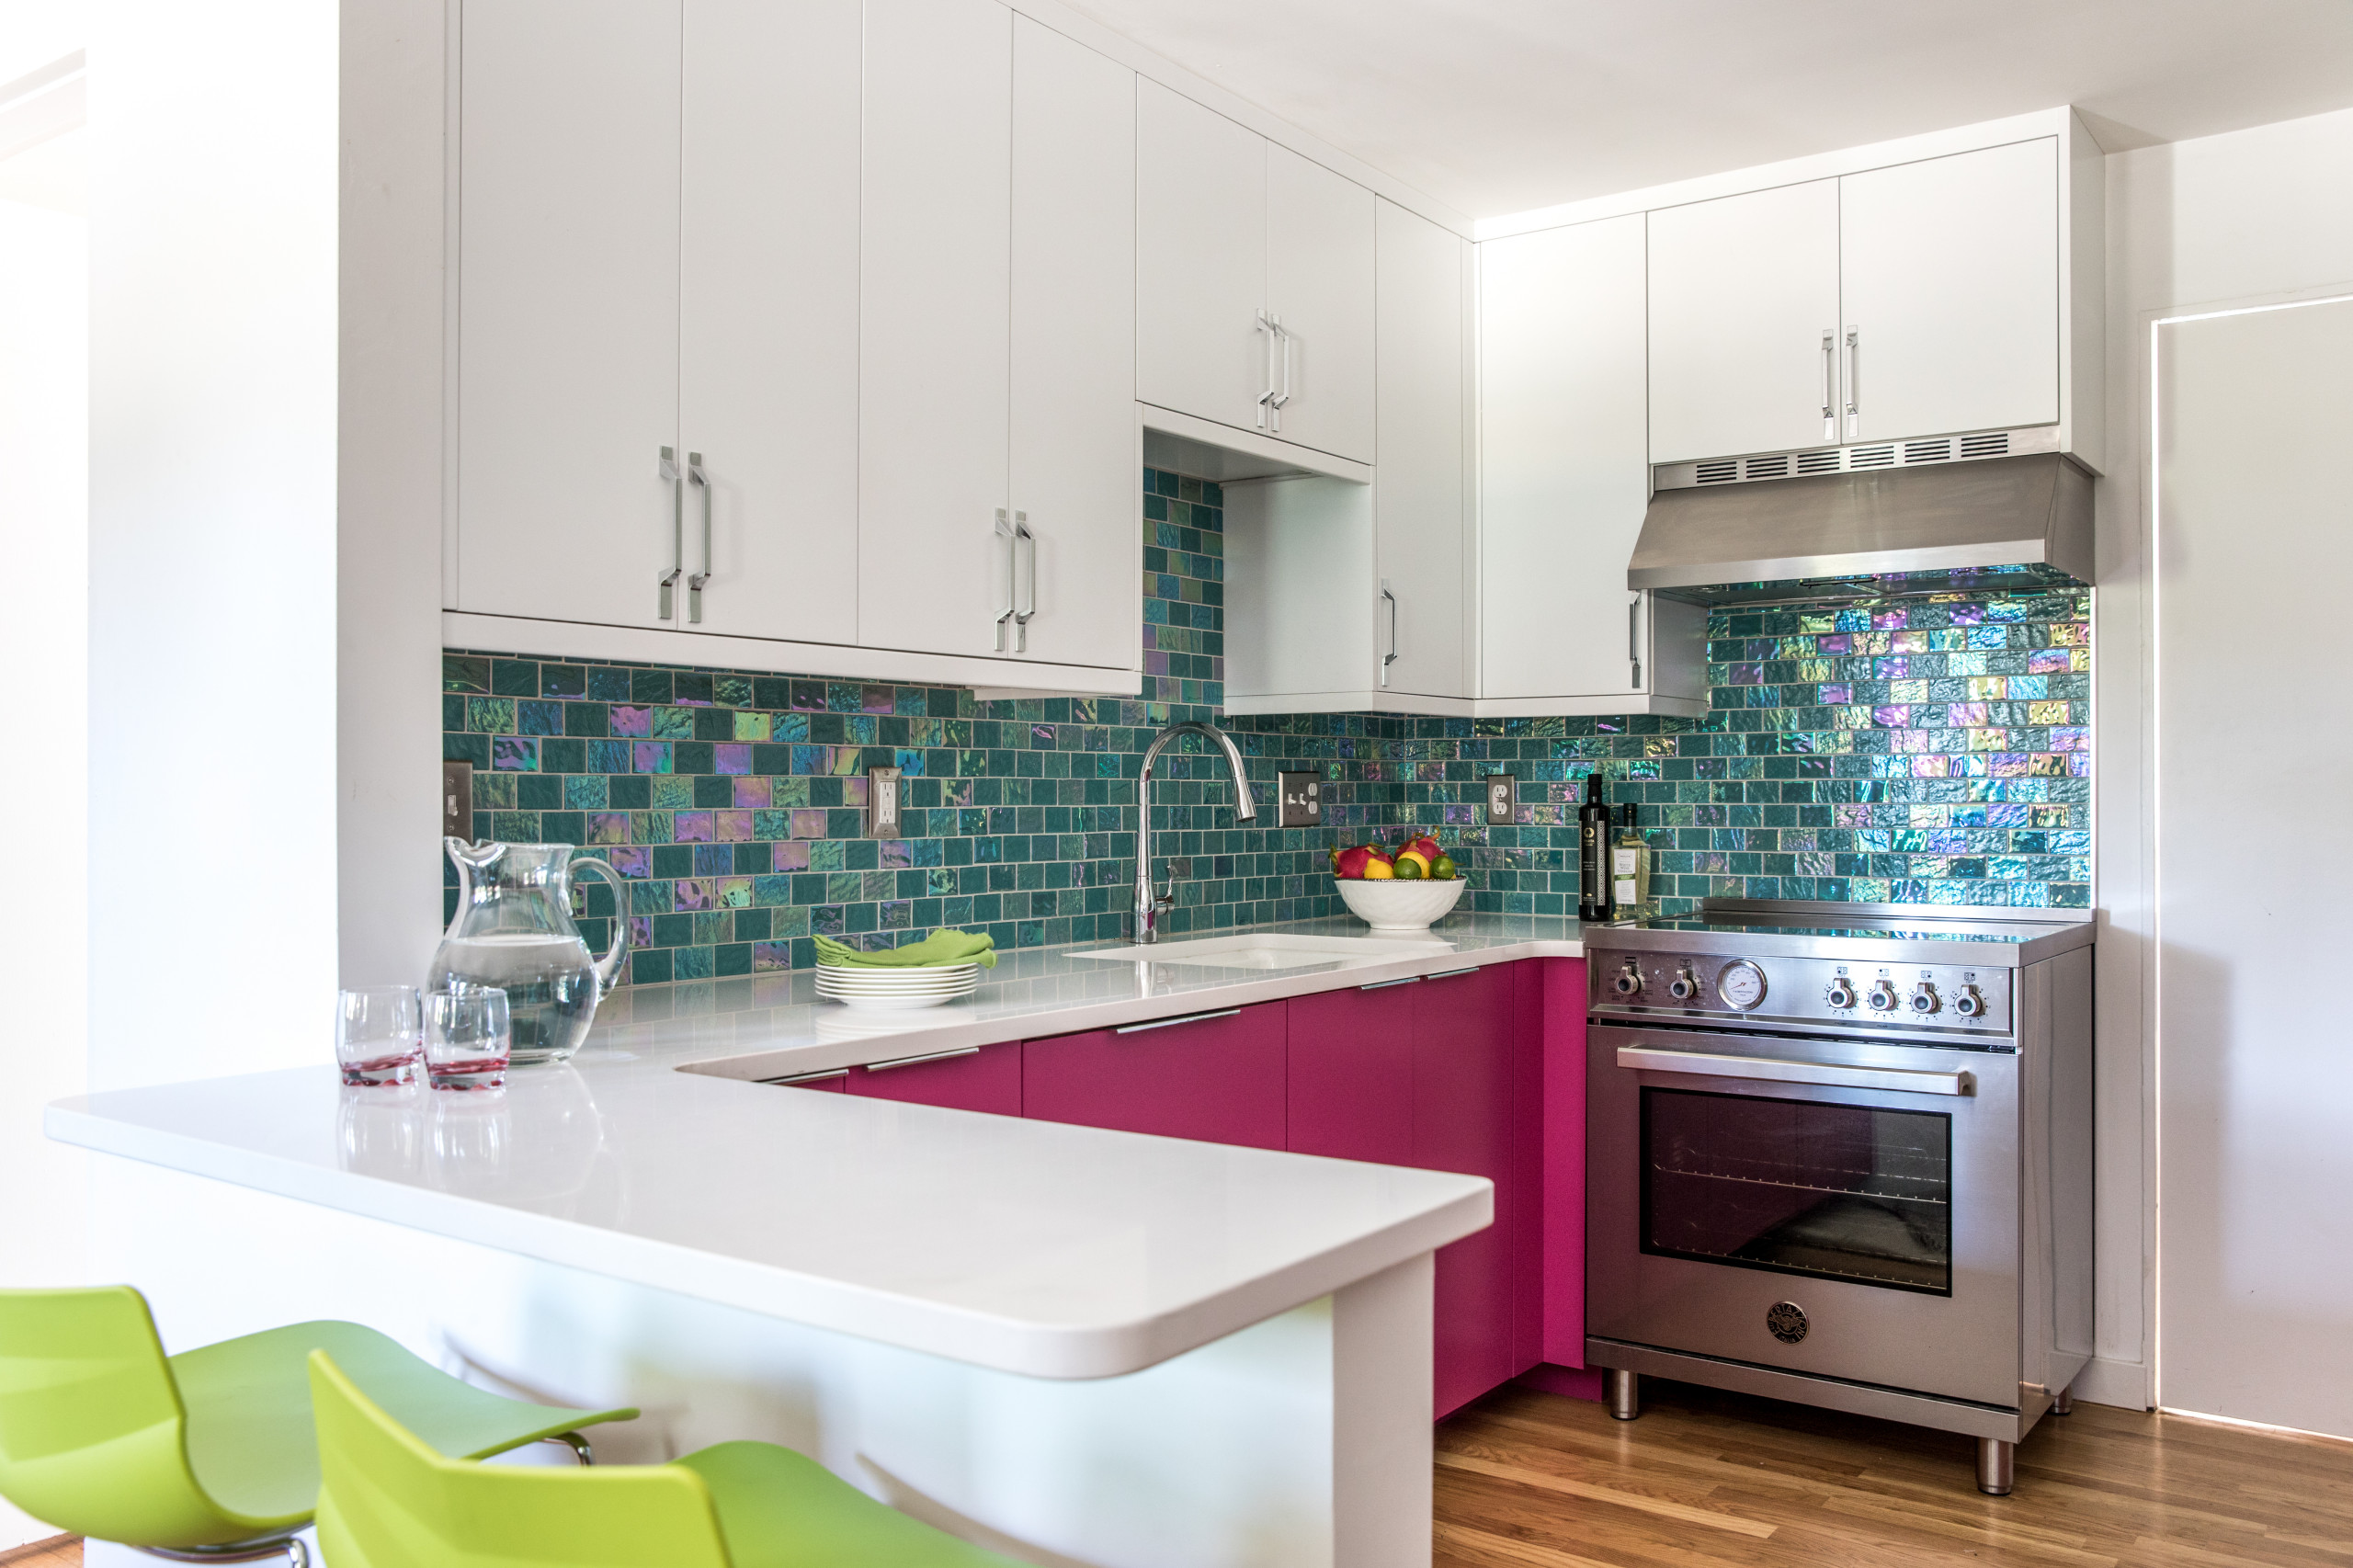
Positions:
{"x": 2001, "y": 525}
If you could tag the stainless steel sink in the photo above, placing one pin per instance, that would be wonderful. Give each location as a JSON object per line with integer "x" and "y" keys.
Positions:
{"x": 1268, "y": 950}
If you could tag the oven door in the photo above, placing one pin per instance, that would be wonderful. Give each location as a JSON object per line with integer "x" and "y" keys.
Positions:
{"x": 1835, "y": 1208}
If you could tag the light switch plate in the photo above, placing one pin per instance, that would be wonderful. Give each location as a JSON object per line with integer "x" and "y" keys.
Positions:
{"x": 1503, "y": 800}
{"x": 1303, "y": 799}
{"x": 885, "y": 802}
{"x": 458, "y": 801}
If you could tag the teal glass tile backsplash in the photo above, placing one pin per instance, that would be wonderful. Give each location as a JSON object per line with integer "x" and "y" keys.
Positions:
{"x": 1931, "y": 751}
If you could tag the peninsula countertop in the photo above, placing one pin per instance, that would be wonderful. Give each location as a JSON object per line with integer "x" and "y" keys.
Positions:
{"x": 1029, "y": 1246}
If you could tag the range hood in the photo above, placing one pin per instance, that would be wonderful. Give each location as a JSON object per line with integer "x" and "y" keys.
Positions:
{"x": 1934, "y": 526}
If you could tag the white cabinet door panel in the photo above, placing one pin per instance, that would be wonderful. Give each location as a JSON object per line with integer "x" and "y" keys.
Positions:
{"x": 1563, "y": 480}
{"x": 1418, "y": 488}
{"x": 568, "y": 306}
{"x": 1951, "y": 271}
{"x": 1074, "y": 456}
{"x": 1202, "y": 259}
{"x": 937, "y": 187}
{"x": 1320, "y": 273}
{"x": 768, "y": 312}
{"x": 1742, "y": 290}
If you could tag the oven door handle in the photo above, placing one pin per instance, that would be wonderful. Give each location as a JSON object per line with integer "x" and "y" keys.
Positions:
{"x": 1767, "y": 1068}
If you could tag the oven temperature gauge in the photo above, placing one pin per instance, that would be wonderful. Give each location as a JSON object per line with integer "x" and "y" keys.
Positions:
{"x": 1742, "y": 984}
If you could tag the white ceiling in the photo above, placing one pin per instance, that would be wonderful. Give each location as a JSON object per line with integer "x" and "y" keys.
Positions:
{"x": 1496, "y": 107}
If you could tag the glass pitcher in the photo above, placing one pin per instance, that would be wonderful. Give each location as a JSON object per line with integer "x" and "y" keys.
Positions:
{"x": 514, "y": 931}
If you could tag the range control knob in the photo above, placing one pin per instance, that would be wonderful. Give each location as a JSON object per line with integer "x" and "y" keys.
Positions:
{"x": 1924, "y": 999}
{"x": 1882, "y": 998}
{"x": 1683, "y": 987}
{"x": 1628, "y": 981}
{"x": 1968, "y": 1003}
{"x": 1841, "y": 995}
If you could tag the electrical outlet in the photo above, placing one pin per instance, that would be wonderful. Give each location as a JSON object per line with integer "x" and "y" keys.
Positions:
{"x": 884, "y": 801}
{"x": 1503, "y": 800}
{"x": 458, "y": 801}
{"x": 1301, "y": 795}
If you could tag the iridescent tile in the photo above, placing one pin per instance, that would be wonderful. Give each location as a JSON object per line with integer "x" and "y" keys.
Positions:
{"x": 754, "y": 726}
{"x": 827, "y": 854}
{"x": 608, "y": 827}
{"x": 585, "y": 792}
{"x": 791, "y": 855}
{"x": 1891, "y": 620}
{"x": 730, "y": 757}
{"x": 650, "y": 756}
{"x": 808, "y": 824}
{"x": 512, "y": 754}
{"x": 812, "y": 759}
{"x": 1893, "y": 716}
{"x": 731, "y": 828}
{"x": 690, "y": 894}
{"x": 467, "y": 673}
{"x": 674, "y": 723}
{"x": 490, "y": 715}
{"x": 2049, "y": 661}
{"x": 2028, "y": 688}
{"x": 1964, "y": 715}
{"x": 630, "y": 721}
{"x": 769, "y": 956}
{"x": 649, "y": 827}
{"x": 1934, "y": 765}
{"x": 756, "y": 790}
{"x": 673, "y": 793}
{"x": 732, "y": 892}
{"x": 1984, "y": 689}
{"x": 731, "y": 691}
{"x": 878, "y": 700}
{"x": 1830, "y": 696}
{"x": 693, "y": 827}
{"x": 1990, "y": 637}
{"x": 631, "y": 860}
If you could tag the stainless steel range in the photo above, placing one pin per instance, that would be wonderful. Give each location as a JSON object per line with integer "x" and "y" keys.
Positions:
{"x": 1842, "y": 1154}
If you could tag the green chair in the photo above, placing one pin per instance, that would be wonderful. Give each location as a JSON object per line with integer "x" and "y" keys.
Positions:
{"x": 387, "y": 1500}
{"x": 208, "y": 1455}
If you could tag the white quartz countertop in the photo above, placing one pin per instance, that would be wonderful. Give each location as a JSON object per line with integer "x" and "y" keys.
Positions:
{"x": 1029, "y": 1246}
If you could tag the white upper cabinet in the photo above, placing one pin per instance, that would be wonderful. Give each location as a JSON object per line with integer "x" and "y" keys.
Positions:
{"x": 1074, "y": 459}
{"x": 934, "y": 571}
{"x": 1417, "y": 489}
{"x": 1564, "y": 477}
{"x": 1201, "y": 347}
{"x": 1950, "y": 282}
{"x": 1743, "y": 316}
{"x": 767, "y": 347}
{"x": 568, "y": 308}
{"x": 1244, "y": 249}
{"x": 1320, "y": 273}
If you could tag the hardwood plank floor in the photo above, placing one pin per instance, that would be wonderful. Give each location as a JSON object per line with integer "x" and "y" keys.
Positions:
{"x": 1709, "y": 1479}
{"x": 64, "y": 1551}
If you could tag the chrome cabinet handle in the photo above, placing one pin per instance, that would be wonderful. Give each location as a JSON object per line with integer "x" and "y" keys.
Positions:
{"x": 695, "y": 475}
{"x": 1771, "y": 1070}
{"x": 1854, "y": 379}
{"x": 1829, "y": 388}
{"x": 1278, "y": 403}
{"x": 1452, "y": 974}
{"x": 927, "y": 1056}
{"x": 1385, "y": 984}
{"x": 1172, "y": 1023}
{"x": 667, "y": 470}
{"x": 1633, "y": 641}
{"x": 1390, "y": 657}
{"x": 1004, "y": 532}
{"x": 1022, "y": 536}
{"x": 1267, "y": 370}
{"x": 816, "y": 1077}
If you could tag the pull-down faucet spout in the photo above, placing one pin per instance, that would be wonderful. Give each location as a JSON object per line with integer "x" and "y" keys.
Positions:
{"x": 1152, "y": 900}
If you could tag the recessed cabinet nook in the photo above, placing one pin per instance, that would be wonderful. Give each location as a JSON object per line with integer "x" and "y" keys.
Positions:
{"x": 831, "y": 337}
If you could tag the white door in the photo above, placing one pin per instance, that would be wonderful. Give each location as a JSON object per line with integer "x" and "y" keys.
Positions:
{"x": 1075, "y": 458}
{"x": 1319, "y": 271}
{"x": 933, "y": 573}
{"x": 1418, "y": 488}
{"x": 1563, "y": 480}
{"x": 1744, "y": 312}
{"x": 1201, "y": 260}
{"x": 768, "y": 315}
{"x": 1950, "y": 282}
{"x": 567, "y": 307}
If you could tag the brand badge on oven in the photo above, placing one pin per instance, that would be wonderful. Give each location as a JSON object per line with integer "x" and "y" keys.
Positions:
{"x": 1786, "y": 1320}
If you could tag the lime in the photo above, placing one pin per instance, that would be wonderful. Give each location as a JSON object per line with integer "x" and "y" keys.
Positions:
{"x": 1442, "y": 869}
{"x": 1409, "y": 868}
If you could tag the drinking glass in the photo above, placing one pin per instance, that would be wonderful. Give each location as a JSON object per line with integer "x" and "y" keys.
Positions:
{"x": 469, "y": 1037}
{"x": 377, "y": 1038}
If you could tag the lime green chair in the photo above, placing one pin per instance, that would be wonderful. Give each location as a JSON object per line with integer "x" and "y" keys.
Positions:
{"x": 208, "y": 1455}
{"x": 386, "y": 1500}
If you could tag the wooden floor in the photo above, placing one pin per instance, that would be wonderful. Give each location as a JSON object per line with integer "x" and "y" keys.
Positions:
{"x": 1706, "y": 1478}
{"x": 62, "y": 1554}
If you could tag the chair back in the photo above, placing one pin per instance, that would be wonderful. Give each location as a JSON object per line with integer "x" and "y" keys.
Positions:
{"x": 93, "y": 1437}
{"x": 387, "y": 1501}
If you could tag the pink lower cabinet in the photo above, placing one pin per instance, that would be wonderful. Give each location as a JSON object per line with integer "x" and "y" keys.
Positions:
{"x": 1214, "y": 1076}
{"x": 1352, "y": 1074}
{"x": 987, "y": 1079}
{"x": 1467, "y": 1118}
{"x": 1562, "y": 1161}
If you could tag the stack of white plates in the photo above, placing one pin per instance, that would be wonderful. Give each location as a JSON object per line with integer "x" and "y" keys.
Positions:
{"x": 857, "y": 985}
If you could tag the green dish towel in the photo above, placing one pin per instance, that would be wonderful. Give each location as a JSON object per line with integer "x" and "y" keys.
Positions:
{"x": 945, "y": 946}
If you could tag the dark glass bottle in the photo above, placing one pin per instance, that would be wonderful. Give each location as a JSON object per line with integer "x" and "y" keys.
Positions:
{"x": 1593, "y": 852}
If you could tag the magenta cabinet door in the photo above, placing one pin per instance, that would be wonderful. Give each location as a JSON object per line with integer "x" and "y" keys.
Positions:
{"x": 1464, "y": 1121}
{"x": 1562, "y": 1250}
{"x": 1352, "y": 1074}
{"x": 1218, "y": 1078}
{"x": 987, "y": 1080}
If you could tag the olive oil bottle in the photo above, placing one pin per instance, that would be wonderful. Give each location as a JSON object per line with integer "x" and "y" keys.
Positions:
{"x": 1630, "y": 871}
{"x": 1593, "y": 853}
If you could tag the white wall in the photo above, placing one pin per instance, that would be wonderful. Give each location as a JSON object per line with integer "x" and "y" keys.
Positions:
{"x": 2245, "y": 218}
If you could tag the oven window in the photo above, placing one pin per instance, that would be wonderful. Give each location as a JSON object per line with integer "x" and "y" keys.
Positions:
{"x": 1798, "y": 1187}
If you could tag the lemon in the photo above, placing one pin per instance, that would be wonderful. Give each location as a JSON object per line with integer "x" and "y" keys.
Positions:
{"x": 1378, "y": 871}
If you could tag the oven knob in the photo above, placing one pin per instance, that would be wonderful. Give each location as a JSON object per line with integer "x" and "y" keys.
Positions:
{"x": 1842, "y": 994}
{"x": 1882, "y": 997}
{"x": 1683, "y": 987}
{"x": 1629, "y": 981}
{"x": 1969, "y": 1005}
{"x": 1924, "y": 1000}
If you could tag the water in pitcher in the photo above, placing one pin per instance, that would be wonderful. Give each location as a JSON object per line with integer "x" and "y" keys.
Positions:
{"x": 550, "y": 980}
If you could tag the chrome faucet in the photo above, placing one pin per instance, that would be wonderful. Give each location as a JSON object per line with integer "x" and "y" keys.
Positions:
{"x": 1152, "y": 902}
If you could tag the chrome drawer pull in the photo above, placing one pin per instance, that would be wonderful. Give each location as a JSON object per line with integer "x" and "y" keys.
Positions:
{"x": 809, "y": 1077}
{"x": 911, "y": 1061}
{"x": 1450, "y": 974}
{"x": 1767, "y": 1068}
{"x": 1172, "y": 1023}
{"x": 1385, "y": 984}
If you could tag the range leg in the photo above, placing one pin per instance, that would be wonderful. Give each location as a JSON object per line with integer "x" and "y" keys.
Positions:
{"x": 1997, "y": 1466}
{"x": 1622, "y": 1392}
{"x": 2065, "y": 1404}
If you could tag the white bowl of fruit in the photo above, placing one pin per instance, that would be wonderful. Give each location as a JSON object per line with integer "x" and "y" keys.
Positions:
{"x": 1403, "y": 889}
